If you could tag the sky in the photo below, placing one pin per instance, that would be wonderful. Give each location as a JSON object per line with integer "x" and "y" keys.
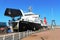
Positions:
{"x": 45, "y": 8}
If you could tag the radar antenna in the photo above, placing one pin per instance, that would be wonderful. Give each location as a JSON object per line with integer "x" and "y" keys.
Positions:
{"x": 30, "y": 9}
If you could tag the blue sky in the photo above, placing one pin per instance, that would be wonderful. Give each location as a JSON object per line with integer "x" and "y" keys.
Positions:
{"x": 41, "y": 7}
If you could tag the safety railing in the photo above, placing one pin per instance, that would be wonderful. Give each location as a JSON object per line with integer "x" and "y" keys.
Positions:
{"x": 16, "y": 36}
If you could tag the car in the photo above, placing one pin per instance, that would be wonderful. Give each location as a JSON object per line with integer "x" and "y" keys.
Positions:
{"x": 3, "y": 27}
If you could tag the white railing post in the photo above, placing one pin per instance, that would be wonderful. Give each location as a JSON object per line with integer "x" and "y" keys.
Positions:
{"x": 27, "y": 33}
{"x": 4, "y": 37}
{"x": 23, "y": 34}
{"x": 13, "y": 36}
{"x": 19, "y": 35}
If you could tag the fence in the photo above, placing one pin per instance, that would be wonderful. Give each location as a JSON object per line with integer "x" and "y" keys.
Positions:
{"x": 16, "y": 36}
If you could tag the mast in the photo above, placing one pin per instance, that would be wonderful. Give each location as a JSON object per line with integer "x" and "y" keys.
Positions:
{"x": 30, "y": 9}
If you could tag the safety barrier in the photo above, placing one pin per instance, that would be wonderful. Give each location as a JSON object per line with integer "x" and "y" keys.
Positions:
{"x": 16, "y": 36}
{"x": 19, "y": 35}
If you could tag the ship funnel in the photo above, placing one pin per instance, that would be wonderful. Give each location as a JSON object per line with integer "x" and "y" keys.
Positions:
{"x": 45, "y": 21}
